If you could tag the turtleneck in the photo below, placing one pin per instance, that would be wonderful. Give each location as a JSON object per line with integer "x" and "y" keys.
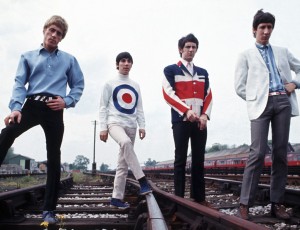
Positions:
{"x": 122, "y": 76}
{"x": 115, "y": 109}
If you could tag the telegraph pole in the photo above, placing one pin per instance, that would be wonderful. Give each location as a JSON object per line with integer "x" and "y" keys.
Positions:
{"x": 94, "y": 163}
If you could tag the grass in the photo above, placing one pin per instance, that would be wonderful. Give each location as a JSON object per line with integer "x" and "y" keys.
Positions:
{"x": 11, "y": 183}
{"x": 80, "y": 178}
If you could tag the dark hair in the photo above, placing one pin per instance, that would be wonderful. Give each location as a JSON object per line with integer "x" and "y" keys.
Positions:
{"x": 123, "y": 55}
{"x": 263, "y": 17}
{"x": 187, "y": 38}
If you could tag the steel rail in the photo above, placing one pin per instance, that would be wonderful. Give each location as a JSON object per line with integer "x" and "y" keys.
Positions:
{"x": 199, "y": 216}
{"x": 10, "y": 200}
{"x": 155, "y": 219}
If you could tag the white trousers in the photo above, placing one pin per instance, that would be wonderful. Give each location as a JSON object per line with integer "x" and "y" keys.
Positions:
{"x": 125, "y": 137}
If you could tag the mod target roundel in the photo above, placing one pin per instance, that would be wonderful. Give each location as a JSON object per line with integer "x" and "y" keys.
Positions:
{"x": 125, "y": 98}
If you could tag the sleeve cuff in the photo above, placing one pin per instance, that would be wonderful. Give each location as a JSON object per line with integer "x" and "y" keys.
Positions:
{"x": 296, "y": 84}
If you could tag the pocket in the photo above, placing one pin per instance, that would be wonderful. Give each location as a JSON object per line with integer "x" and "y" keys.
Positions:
{"x": 251, "y": 97}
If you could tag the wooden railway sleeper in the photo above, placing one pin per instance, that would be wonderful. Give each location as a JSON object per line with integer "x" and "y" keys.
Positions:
{"x": 263, "y": 195}
{"x": 198, "y": 224}
{"x": 32, "y": 198}
{"x": 7, "y": 209}
{"x": 140, "y": 209}
{"x": 8, "y": 213}
{"x": 225, "y": 187}
{"x": 141, "y": 222}
{"x": 236, "y": 190}
{"x": 201, "y": 222}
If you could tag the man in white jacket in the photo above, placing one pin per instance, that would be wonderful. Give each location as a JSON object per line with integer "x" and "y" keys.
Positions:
{"x": 121, "y": 109}
{"x": 263, "y": 79}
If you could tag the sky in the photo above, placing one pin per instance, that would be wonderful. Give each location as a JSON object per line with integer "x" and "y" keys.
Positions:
{"x": 149, "y": 30}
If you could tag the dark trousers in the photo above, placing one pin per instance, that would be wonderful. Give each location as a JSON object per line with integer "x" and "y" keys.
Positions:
{"x": 37, "y": 113}
{"x": 182, "y": 132}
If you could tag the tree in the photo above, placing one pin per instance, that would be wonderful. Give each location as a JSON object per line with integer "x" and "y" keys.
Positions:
{"x": 10, "y": 154}
{"x": 150, "y": 162}
{"x": 244, "y": 145}
{"x": 81, "y": 162}
{"x": 10, "y": 151}
{"x": 217, "y": 147}
{"x": 104, "y": 167}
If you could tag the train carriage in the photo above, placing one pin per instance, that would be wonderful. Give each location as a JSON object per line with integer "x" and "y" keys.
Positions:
{"x": 233, "y": 161}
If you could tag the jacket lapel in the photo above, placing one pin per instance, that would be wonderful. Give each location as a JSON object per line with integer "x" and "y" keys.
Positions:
{"x": 258, "y": 55}
{"x": 182, "y": 67}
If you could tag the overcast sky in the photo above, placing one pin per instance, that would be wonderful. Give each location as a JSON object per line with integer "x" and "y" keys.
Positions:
{"x": 149, "y": 30}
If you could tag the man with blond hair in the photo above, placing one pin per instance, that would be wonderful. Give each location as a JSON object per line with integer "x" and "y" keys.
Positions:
{"x": 39, "y": 97}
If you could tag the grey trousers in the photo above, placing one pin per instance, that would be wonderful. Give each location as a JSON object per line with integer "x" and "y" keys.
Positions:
{"x": 125, "y": 137}
{"x": 278, "y": 113}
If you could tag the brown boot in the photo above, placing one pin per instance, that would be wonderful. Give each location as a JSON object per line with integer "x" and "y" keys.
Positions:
{"x": 279, "y": 211}
{"x": 243, "y": 212}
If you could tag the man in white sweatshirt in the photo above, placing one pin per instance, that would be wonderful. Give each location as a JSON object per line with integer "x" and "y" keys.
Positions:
{"x": 121, "y": 110}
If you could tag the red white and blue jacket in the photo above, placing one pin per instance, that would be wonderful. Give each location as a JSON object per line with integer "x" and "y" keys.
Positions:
{"x": 183, "y": 91}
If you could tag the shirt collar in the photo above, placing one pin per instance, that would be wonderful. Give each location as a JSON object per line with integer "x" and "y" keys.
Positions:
{"x": 260, "y": 46}
{"x": 184, "y": 62}
{"x": 42, "y": 48}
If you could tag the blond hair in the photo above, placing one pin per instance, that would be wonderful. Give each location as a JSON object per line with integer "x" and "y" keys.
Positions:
{"x": 58, "y": 21}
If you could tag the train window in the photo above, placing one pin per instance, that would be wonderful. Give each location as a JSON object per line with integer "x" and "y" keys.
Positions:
{"x": 208, "y": 163}
{"x": 291, "y": 157}
{"x": 268, "y": 158}
{"x": 243, "y": 161}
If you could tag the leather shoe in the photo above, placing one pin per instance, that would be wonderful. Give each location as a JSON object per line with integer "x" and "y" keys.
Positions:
{"x": 243, "y": 212}
{"x": 279, "y": 211}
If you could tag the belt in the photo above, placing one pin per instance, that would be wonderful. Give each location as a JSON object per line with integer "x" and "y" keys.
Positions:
{"x": 41, "y": 98}
{"x": 276, "y": 93}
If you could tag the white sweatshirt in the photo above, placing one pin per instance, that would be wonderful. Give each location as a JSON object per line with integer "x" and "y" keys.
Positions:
{"x": 121, "y": 103}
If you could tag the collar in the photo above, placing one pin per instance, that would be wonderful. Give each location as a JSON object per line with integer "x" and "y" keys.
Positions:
{"x": 122, "y": 76}
{"x": 260, "y": 46}
{"x": 43, "y": 48}
{"x": 184, "y": 62}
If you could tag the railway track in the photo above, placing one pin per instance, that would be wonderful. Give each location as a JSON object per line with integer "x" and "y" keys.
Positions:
{"x": 86, "y": 206}
{"x": 223, "y": 194}
{"x": 292, "y": 180}
{"x": 83, "y": 206}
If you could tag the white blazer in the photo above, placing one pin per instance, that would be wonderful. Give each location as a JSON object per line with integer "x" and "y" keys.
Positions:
{"x": 252, "y": 78}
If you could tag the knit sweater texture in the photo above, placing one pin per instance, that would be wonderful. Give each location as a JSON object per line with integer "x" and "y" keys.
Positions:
{"x": 121, "y": 104}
